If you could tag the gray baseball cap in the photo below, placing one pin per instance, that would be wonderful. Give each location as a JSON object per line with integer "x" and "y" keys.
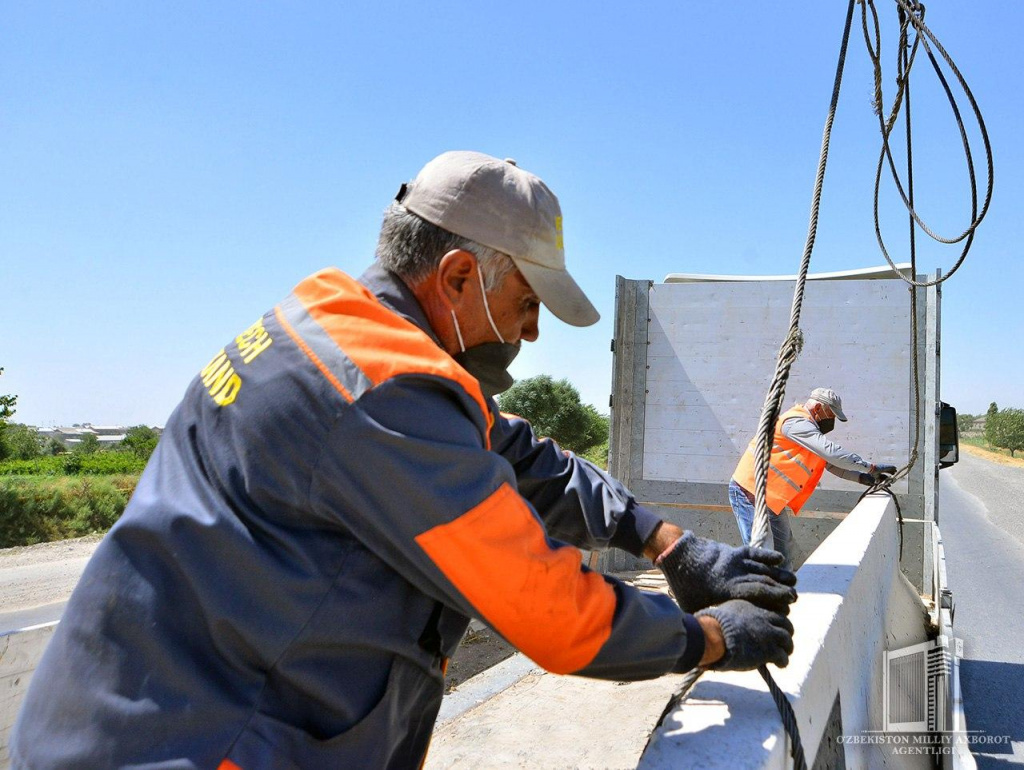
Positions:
{"x": 499, "y": 205}
{"x": 831, "y": 399}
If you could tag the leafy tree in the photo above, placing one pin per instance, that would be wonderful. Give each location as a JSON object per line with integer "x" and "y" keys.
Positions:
{"x": 52, "y": 447}
{"x": 6, "y": 411}
{"x": 140, "y": 440}
{"x": 964, "y": 422}
{"x": 555, "y": 411}
{"x": 88, "y": 445}
{"x": 20, "y": 442}
{"x": 991, "y": 420}
{"x": 6, "y": 404}
{"x": 1007, "y": 429}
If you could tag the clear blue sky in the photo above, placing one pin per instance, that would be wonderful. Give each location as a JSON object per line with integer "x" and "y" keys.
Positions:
{"x": 170, "y": 171}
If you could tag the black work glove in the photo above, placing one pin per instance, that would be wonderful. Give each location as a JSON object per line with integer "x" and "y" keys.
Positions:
{"x": 883, "y": 470}
{"x": 866, "y": 479}
{"x": 703, "y": 572}
{"x": 753, "y": 636}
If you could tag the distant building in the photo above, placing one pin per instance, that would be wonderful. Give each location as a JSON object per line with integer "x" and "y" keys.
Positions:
{"x": 106, "y": 435}
{"x": 977, "y": 429}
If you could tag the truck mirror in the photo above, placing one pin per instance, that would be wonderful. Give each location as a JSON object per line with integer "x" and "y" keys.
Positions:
{"x": 949, "y": 436}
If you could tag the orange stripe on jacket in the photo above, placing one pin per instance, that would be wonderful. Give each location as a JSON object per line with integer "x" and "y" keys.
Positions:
{"x": 312, "y": 356}
{"x": 535, "y": 596}
{"x": 227, "y": 764}
{"x": 381, "y": 343}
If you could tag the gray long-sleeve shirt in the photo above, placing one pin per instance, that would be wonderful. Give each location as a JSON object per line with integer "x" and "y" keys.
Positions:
{"x": 806, "y": 433}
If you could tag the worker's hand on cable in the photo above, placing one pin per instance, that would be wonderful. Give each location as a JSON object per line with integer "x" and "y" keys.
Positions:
{"x": 703, "y": 572}
{"x": 867, "y": 479}
{"x": 881, "y": 471}
{"x": 753, "y": 636}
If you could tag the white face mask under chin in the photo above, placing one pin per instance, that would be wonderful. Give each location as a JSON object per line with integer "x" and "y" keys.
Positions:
{"x": 487, "y": 309}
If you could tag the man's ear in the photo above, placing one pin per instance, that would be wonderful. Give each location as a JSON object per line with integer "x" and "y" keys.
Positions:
{"x": 455, "y": 274}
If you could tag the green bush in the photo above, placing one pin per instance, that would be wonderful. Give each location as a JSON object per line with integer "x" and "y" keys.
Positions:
{"x": 40, "y": 466}
{"x": 71, "y": 464}
{"x": 19, "y": 442}
{"x": 38, "y": 509}
{"x": 98, "y": 464}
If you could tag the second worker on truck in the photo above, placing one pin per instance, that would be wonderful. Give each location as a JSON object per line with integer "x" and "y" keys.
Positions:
{"x": 800, "y": 455}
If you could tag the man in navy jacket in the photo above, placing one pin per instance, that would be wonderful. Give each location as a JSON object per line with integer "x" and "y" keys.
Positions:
{"x": 337, "y": 494}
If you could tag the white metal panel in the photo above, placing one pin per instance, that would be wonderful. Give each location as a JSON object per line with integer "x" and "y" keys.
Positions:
{"x": 881, "y": 271}
{"x": 712, "y": 353}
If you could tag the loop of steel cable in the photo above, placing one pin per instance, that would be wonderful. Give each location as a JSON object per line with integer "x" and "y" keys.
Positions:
{"x": 913, "y": 15}
{"x": 884, "y": 485}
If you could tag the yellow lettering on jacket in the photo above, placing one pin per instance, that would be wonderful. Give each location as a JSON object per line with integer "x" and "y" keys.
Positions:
{"x": 226, "y": 393}
{"x": 253, "y": 341}
{"x": 219, "y": 376}
{"x": 211, "y": 369}
{"x": 220, "y": 380}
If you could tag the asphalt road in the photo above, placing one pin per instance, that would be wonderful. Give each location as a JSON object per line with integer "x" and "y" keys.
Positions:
{"x": 981, "y": 518}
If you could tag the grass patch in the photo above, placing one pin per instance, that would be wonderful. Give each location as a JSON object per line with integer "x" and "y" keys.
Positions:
{"x": 39, "y": 509}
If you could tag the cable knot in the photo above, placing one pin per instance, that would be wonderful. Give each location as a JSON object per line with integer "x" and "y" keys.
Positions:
{"x": 794, "y": 344}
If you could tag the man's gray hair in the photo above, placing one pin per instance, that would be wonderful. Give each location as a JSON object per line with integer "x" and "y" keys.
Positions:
{"x": 412, "y": 247}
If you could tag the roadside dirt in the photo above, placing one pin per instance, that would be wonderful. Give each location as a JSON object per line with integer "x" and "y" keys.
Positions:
{"x": 44, "y": 553}
{"x": 995, "y": 457}
{"x": 37, "y": 575}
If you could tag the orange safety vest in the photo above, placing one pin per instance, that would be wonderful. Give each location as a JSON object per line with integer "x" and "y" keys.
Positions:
{"x": 793, "y": 470}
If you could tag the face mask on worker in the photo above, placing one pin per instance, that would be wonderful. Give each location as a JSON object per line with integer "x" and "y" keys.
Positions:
{"x": 826, "y": 424}
{"x": 489, "y": 361}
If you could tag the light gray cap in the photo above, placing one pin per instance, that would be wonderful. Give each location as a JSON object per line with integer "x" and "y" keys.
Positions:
{"x": 831, "y": 399}
{"x": 499, "y": 205}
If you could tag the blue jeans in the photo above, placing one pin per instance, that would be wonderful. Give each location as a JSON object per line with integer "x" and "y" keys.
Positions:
{"x": 742, "y": 503}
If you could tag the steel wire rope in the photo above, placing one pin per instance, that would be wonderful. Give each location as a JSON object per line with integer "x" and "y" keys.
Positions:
{"x": 913, "y": 14}
{"x": 791, "y": 346}
{"x": 884, "y": 485}
{"x": 790, "y": 350}
{"x": 904, "y": 63}
{"x": 776, "y": 393}
{"x": 910, "y": 15}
